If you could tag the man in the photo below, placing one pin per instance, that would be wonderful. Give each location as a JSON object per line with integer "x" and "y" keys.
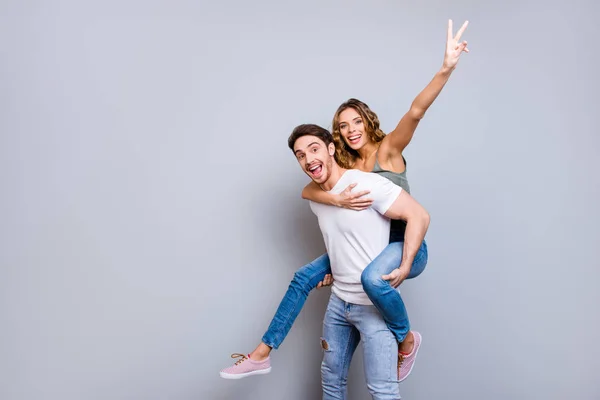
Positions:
{"x": 353, "y": 239}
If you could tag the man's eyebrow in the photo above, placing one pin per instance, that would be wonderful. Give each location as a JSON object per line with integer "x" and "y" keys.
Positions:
{"x": 317, "y": 143}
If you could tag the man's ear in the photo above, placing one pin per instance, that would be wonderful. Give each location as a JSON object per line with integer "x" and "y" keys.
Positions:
{"x": 331, "y": 149}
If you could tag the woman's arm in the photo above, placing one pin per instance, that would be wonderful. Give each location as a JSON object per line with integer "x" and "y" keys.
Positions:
{"x": 346, "y": 199}
{"x": 394, "y": 143}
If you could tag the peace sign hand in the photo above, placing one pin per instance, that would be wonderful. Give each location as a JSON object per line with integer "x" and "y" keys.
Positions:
{"x": 454, "y": 47}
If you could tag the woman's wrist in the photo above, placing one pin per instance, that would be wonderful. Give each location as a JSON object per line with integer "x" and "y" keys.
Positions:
{"x": 335, "y": 200}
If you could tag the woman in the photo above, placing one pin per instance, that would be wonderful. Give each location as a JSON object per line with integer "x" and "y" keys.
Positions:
{"x": 360, "y": 144}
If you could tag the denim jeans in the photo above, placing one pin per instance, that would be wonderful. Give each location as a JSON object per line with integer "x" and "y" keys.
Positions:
{"x": 385, "y": 298}
{"x": 344, "y": 325}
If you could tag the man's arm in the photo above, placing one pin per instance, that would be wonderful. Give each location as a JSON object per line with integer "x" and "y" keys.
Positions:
{"x": 406, "y": 208}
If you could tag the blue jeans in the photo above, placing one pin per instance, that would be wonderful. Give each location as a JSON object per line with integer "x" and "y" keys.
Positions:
{"x": 344, "y": 325}
{"x": 385, "y": 298}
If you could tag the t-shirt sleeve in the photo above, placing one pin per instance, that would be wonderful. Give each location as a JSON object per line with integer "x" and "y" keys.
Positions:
{"x": 383, "y": 192}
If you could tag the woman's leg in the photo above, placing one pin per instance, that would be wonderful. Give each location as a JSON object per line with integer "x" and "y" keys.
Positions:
{"x": 304, "y": 280}
{"x": 390, "y": 304}
{"x": 386, "y": 298}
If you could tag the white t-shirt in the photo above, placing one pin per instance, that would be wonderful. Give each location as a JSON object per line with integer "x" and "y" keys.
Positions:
{"x": 354, "y": 238}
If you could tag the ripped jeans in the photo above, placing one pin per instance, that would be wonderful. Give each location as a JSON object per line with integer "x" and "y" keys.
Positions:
{"x": 344, "y": 326}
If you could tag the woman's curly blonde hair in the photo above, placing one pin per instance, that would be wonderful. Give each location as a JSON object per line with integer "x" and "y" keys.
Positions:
{"x": 344, "y": 155}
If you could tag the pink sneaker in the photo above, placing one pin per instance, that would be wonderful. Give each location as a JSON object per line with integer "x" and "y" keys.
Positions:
{"x": 245, "y": 367}
{"x": 406, "y": 363}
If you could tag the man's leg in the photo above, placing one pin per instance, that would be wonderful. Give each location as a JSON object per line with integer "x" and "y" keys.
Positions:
{"x": 258, "y": 362}
{"x": 339, "y": 342}
{"x": 389, "y": 301}
{"x": 379, "y": 349}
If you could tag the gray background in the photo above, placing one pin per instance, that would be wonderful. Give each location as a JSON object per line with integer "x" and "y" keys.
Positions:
{"x": 151, "y": 213}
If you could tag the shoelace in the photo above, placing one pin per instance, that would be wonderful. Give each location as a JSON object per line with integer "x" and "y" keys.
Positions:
{"x": 240, "y": 356}
{"x": 400, "y": 360}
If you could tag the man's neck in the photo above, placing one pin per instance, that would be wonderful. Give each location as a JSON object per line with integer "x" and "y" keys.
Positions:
{"x": 336, "y": 174}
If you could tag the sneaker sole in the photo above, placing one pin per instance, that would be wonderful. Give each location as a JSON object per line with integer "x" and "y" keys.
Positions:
{"x": 225, "y": 375}
{"x": 413, "y": 364}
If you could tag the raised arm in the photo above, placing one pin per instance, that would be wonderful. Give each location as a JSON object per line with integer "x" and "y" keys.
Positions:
{"x": 353, "y": 201}
{"x": 406, "y": 208}
{"x": 394, "y": 144}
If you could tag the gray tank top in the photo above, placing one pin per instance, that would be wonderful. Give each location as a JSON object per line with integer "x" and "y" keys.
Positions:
{"x": 398, "y": 178}
{"x": 397, "y": 227}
